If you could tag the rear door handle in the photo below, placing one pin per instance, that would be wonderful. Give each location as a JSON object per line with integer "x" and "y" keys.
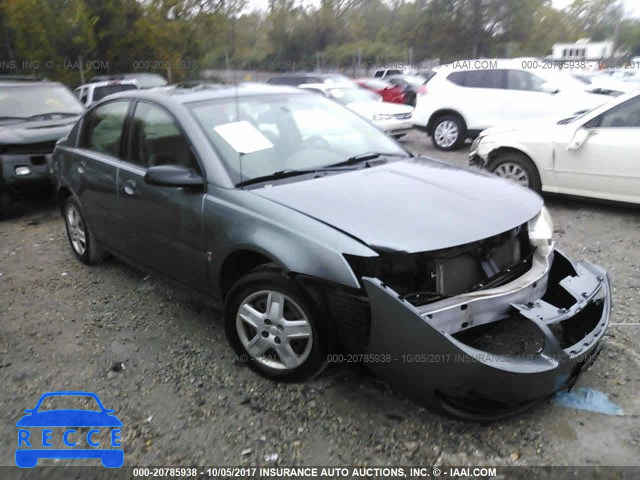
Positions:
{"x": 82, "y": 166}
{"x": 129, "y": 187}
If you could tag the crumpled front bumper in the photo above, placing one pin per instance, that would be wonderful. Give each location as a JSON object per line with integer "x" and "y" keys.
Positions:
{"x": 416, "y": 349}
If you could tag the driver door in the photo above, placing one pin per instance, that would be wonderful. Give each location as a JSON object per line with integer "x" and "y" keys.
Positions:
{"x": 162, "y": 225}
{"x": 607, "y": 163}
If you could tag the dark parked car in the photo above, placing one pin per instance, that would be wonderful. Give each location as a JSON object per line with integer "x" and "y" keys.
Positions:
{"x": 33, "y": 116}
{"x": 295, "y": 79}
{"x": 320, "y": 234}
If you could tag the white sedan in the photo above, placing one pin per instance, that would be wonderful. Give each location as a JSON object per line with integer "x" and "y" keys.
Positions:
{"x": 596, "y": 154}
{"x": 392, "y": 118}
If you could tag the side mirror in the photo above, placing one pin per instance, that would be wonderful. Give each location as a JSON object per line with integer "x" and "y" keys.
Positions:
{"x": 579, "y": 137}
{"x": 173, "y": 176}
{"x": 548, "y": 87}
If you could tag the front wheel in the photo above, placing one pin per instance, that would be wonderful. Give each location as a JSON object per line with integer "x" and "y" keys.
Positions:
{"x": 518, "y": 168}
{"x": 449, "y": 132}
{"x": 273, "y": 324}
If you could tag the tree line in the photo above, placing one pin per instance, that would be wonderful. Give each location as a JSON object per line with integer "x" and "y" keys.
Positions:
{"x": 70, "y": 40}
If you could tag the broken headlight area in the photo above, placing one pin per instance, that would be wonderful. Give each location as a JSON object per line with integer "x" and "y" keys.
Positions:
{"x": 487, "y": 353}
{"x": 425, "y": 277}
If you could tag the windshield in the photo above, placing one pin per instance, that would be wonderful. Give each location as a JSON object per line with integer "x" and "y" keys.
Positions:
{"x": 352, "y": 95}
{"x": 100, "y": 92}
{"x": 261, "y": 135}
{"x": 28, "y": 101}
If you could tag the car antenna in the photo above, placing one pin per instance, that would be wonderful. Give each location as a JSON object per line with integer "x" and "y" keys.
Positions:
{"x": 234, "y": 77}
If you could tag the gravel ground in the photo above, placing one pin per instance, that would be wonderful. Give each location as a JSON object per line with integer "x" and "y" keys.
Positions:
{"x": 160, "y": 359}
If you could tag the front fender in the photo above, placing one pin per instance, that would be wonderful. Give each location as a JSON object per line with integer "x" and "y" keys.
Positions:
{"x": 238, "y": 220}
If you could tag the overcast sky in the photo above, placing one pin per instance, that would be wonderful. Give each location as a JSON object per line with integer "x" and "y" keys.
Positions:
{"x": 632, "y": 7}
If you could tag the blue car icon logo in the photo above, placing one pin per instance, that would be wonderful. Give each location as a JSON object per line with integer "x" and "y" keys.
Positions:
{"x": 36, "y": 433}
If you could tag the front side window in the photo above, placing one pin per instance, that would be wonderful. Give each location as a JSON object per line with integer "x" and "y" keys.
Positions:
{"x": 521, "y": 80}
{"x": 156, "y": 139}
{"x": 625, "y": 115}
{"x": 264, "y": 134}
{"x": 102, "y": 129}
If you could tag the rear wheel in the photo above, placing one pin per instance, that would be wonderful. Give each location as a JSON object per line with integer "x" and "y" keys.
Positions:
{"x": 518, "y": 168}
{"x": 80, "y": 237}
{"x": 449, "y": 132}
{"x": 274, "y": 325}
{"x": 5, "y": 204}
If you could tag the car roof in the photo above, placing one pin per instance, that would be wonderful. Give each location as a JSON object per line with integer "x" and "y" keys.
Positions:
{"x": 28, "y": 83}
{"x": 104, "y": 83}
{"x": 175, "y": 94}
{"x": 481, "y": 64}
{"x": 327, "y": 86}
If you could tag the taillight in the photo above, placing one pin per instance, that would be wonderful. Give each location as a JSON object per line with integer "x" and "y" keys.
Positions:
{"x": 423, "y": 89}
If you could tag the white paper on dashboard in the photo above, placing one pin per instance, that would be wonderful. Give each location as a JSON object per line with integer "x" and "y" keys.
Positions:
{"x": 243, "y": 137}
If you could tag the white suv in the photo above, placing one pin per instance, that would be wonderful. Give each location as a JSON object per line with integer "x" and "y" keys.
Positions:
{"x": 90, "y": 93}
{"x": 463, "y": 98}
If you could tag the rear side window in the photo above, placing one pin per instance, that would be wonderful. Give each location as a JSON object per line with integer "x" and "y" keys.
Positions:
{"x": 479, "y": 78}
{"x": 102, "y": 129}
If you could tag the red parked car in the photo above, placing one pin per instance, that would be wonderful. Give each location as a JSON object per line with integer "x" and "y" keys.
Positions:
{"x": 388, "y": 91}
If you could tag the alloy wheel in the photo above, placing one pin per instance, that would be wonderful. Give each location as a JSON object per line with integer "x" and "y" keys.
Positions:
{"x": 77, "y": 233}
{"x": 274, "y": 330}
{"x": 514, "y": 172}
{"x": 446, "y": 133}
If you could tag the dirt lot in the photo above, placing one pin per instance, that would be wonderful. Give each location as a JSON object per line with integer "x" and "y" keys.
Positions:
{"x": 185, "y": 400}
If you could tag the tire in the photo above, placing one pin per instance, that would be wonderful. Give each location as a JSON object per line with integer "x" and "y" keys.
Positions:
{"x": 517, "y": 167}
{"x": 448, "y": 133}
{"x": 261, "y": 339}
{"x": 81, "y": 239}
{"x": 5, "y": 204}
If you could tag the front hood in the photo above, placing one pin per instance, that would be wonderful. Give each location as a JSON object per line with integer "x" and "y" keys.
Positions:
{"x": 35, "y": 131}
{"x": 537, "y": 125}
{"x": 368, "y": 109}
{"x": 412, "y": 205}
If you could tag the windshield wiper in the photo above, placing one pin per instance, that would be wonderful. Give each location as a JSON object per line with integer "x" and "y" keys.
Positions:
{"x": 275, "y": 176}
{"x": 280, "y": 174}
{"x": 365, "y": 157}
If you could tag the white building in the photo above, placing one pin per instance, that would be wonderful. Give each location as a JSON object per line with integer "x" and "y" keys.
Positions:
{"x": 583, "y": 49}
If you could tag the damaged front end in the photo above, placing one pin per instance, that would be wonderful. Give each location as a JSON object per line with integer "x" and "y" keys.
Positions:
{"x": 484, "y": 330}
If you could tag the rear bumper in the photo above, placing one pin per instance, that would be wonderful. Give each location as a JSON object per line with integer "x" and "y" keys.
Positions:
{"x": 418, "y": 350}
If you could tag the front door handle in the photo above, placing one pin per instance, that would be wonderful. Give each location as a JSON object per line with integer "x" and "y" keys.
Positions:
{"x": 82, "y": 166}
{"x": 129, "y": 187}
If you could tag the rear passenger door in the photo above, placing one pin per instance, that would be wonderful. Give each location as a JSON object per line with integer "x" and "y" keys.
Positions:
{"x": 482, "y": 96}
{"x": 525, "y": 98}
{"x": 100, "y": 149}
{"x": 162, "y": 225}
